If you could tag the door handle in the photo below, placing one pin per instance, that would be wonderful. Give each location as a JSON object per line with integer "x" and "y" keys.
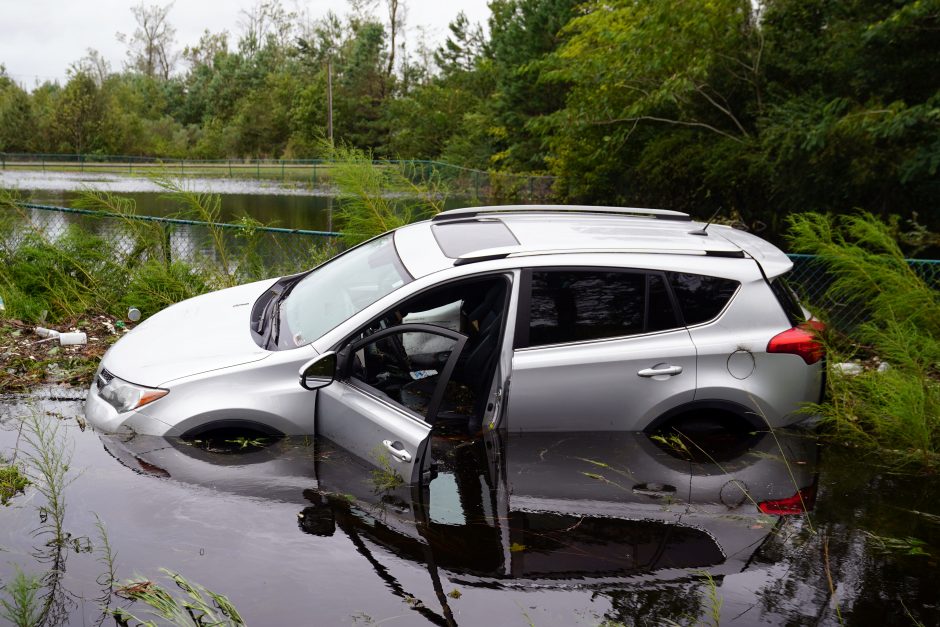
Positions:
{"x": 397, "y": 450}
{"x": 668, "y": 371}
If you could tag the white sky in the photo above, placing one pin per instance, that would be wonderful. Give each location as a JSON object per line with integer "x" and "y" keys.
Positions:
{"x": 39, "y": 39}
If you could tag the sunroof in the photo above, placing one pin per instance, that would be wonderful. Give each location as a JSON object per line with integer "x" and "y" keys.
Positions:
{"x": 459, "y": 238}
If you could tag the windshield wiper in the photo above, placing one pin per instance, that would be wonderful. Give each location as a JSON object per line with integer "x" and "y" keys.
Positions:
{"x": 276, "y": 321}
{"x": 263, "y": 318}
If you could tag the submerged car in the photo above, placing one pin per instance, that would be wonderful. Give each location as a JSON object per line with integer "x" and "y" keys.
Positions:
{"x": 565, "y": 318}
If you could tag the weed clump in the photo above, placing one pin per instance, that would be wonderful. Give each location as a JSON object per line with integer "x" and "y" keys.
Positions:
{"x": 895, "y": 408}
{"x": 12, "y": 481}
{"x": 198, "y": 606}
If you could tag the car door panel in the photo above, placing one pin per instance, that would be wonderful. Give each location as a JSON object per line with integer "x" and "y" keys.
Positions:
{"x": 603, "y": 385}
{"x": 366, "y": 420}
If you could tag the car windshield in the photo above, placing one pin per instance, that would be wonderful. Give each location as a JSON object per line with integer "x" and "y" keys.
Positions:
{"x": 341, "y": 288}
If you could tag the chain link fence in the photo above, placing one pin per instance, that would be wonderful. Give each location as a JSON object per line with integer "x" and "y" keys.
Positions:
{"x": 250, "y": 251}
{"x": 244, "y": 250}
{"x": 811, "y": 280}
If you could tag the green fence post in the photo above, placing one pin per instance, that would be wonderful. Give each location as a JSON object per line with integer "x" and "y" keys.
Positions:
{"x": 258, "y": 169}
{"x": 167, "y": 252}
{"x": 282, "y": 170}
{"x": 229, "y": 161}
{"x": 181, "y": 167}
{"x": 314, "y": 174}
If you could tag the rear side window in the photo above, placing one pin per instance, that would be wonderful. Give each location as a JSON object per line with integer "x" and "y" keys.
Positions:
{"x": 578, "y": 305}
{"x": 788, "y": 300}
{"x": 701, "y": 297}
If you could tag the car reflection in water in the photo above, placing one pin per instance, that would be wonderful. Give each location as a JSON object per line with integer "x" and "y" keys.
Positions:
{"x": 504, "y": 510}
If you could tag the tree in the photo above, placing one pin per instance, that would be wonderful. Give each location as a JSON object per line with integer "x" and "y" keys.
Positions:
{"x": 17, "y": 121}
{"x": 150, "y": 48}
{"x": 684, "y": 63}
{"x": 463, "y": 47}
{"x": 78, "y": 115}
{"x": 523, "y": 33}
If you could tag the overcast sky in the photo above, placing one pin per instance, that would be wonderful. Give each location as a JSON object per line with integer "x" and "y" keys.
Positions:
{"x": 39, "y": 39}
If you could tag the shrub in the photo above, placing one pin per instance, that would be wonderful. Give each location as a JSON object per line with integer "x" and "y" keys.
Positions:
{"x": 894, "y": 407}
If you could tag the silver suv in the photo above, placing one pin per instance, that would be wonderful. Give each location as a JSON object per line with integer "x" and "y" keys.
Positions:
{"x": 527, "y": 318}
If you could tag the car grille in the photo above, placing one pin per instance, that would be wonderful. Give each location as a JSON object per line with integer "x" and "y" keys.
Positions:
{"x": 104, "y": 378}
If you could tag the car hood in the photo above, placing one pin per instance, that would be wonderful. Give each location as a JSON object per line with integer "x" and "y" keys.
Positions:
{"x": 197, "y": 335}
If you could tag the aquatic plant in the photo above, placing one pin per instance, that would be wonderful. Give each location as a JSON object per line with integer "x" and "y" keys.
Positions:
{"x": 894, "y": 409}
{"x": 49, "y": 462}
{"x": 385, "y": 478}
{"x": 198, "y": 607}
{"x": 20, "y": 605}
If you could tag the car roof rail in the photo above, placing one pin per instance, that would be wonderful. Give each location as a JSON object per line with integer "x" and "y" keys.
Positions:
{"x": 635, "y": 212}
{"x": 502, "y": 252}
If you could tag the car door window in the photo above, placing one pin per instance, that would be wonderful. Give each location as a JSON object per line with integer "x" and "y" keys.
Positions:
{"x": 574, "y": 305}
{"x": 410, "y": 365}
{"x": 475, "y": 308}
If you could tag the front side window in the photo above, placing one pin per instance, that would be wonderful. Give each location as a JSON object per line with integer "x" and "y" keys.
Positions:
{"x": 341, "y": 288}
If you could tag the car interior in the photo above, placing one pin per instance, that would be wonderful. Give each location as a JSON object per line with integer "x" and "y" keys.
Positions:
{"x": 407, "y": 367}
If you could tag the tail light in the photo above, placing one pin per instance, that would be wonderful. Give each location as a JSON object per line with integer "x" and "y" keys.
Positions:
{"x": 801, "y": 340}
{"x": 799, "y": 503}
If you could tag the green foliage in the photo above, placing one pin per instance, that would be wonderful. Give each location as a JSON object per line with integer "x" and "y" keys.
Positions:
{"x": 198, "y": 607}
{"x": 386, "y": 477}
{"x": 379, "y": 198}
{"x": 20, "y": 607}
{"x": 895, "y": 408}
{"x": 12, "y": 481}
{"x": 79, "y": 272}
{"x": 49, "y": 465}
{"x": 17, "y": 120}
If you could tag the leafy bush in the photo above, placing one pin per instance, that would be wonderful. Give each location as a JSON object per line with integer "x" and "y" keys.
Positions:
{"x": 894, "y": 407}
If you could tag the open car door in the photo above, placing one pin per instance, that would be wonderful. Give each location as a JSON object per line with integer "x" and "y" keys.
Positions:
{"x": 388, "y": 391}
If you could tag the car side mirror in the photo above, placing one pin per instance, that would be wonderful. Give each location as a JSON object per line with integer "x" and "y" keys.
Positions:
{"x": 319, "y": 372}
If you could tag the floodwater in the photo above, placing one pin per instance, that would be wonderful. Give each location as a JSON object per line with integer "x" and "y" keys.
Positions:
{"x": 274, "y": 203}
{"x": 545, "y": 529}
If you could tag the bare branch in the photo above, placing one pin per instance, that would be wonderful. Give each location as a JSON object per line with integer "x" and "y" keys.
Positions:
{"x": 650, "y": 118}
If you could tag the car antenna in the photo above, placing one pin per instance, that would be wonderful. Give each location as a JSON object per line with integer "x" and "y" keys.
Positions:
{"x": 703, "y": 231}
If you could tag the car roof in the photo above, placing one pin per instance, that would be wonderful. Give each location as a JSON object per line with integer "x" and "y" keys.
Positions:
{"x": 465, "y": 236}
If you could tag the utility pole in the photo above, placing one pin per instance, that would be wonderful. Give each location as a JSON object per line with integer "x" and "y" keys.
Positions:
{"x": 329, "y": 99}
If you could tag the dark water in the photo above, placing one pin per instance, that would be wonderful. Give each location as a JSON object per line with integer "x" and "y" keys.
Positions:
{"x": 547, "y": 529}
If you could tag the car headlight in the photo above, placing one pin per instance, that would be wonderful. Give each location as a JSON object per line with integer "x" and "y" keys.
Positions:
{"x": 125, "y": 396}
